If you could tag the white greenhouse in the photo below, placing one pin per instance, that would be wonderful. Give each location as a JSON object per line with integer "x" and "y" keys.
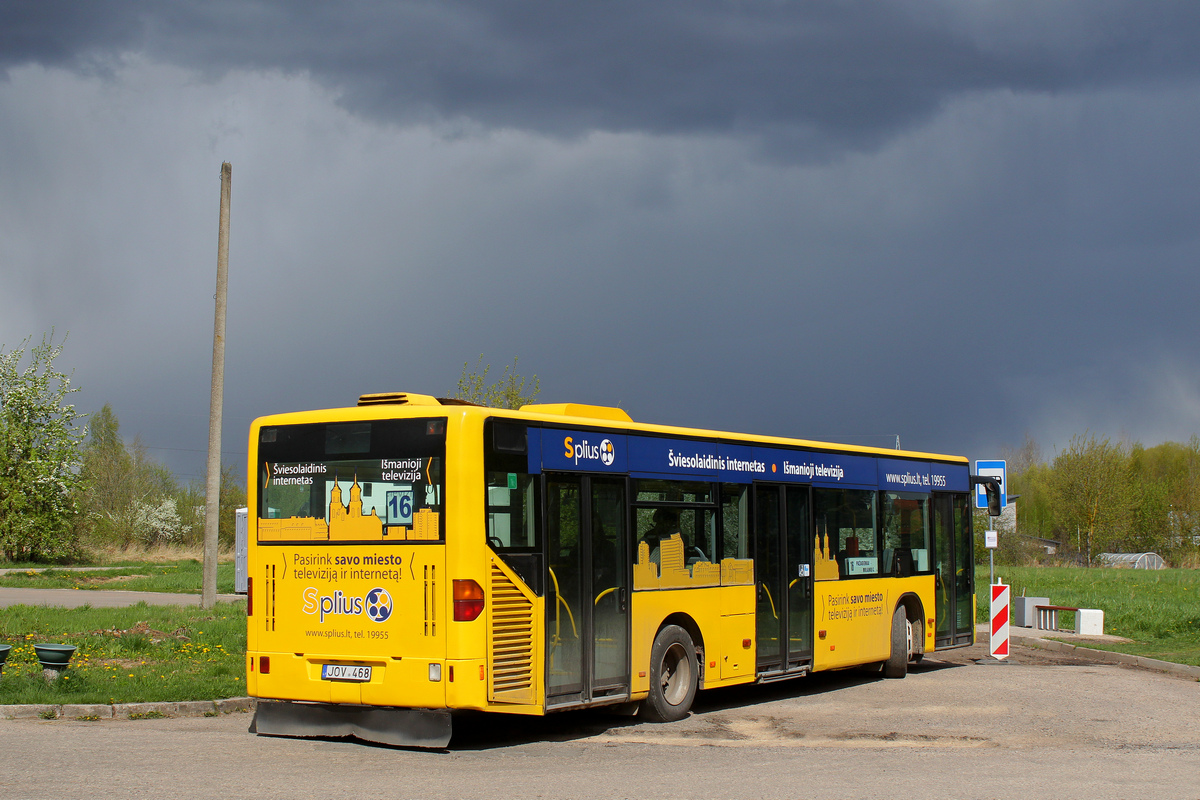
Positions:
{"x": 1133, "y": 560}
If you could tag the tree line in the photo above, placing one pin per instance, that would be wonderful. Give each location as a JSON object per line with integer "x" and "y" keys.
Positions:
{"x": 1098, "y": 496}
{"x": 64, "y": 487}
{"x": 132, "y": 500}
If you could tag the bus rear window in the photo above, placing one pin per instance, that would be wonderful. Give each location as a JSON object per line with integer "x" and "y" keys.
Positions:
{"x": 378, "y": 481}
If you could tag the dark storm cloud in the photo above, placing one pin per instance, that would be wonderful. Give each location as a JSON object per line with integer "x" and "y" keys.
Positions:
{"x": 980, "y": 219}
{"x": 798, "y": 75}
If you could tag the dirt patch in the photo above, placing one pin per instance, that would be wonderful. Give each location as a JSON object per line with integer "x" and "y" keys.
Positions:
{"x": 123, "y": 663}
{"x": 1019, "y": 655}
{"x": 97, "y": 578}
{"x": 144, "y": 629}
{"x": 115, "y": 579}
{"x": 1084, "y": 641}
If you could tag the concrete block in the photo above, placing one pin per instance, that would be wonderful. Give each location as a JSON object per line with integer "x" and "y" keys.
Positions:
{"x": 196, "y": 708}
{"x": 27, "y": 711}
{"x": 232, "y": 704}
{"x": 1089, "y": 621}
{"x": 144, "y": 710}
{"x": 77, "y": 710}
{"x": 1023, "y": 612}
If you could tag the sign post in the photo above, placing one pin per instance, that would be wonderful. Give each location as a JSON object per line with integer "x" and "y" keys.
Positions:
{"x": 991, "y": 540}
{"x": 999, "y": 471}
{"x": 999, "y": 620}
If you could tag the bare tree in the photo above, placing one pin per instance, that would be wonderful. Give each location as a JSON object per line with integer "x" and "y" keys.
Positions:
{"x": 1022, "y": 458}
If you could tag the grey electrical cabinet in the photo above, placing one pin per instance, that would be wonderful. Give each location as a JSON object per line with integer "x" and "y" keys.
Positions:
{"x": 241, "y": 550}
{"x": 1024, "y": 611}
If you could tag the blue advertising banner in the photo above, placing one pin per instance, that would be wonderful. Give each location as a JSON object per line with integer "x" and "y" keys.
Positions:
{"x": 744, "y": 463}
{"x": 958, "y": 476}
{"x": 921, "y": 476}
{"x": 678, "y": 457}
{"x": 904, "y": 476}
{"x": 651, "y": 456}
{"x": 584, "y": 451}
{"x": 533, "y": 445}
{"x": 819, "y": 469}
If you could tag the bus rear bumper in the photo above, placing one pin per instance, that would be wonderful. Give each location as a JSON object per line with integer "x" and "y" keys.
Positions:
{"x": 402, "y": 727}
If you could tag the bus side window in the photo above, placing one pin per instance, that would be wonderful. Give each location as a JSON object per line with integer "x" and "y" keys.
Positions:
{"x": 846, "y": 525}
{"x": 512, "y": 498}
{"x": 512, "y": 510}
{"x": 905, "y": 529}
{"x": 735, "y": 534}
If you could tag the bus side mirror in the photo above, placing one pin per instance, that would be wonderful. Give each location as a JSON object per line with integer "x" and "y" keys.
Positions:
{"x": 993, "y": 498}
{"x": 991, "y": 487}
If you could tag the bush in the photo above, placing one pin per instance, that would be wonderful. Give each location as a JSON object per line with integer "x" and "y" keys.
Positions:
{"x": 157, "y": 522}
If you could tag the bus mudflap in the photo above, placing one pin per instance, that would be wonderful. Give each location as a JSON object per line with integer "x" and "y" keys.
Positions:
{"x": 402, "y": 727}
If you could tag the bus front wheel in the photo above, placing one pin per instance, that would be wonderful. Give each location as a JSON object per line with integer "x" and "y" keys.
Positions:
{"x": 897, "y": 664}
{"x": 673, "y": 676}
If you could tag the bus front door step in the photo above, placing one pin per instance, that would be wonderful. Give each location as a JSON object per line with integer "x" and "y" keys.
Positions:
{"x": 771, "y": 677}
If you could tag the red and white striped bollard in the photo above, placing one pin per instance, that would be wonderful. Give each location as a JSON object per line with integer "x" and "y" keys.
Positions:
{"x": 999, "y": 627}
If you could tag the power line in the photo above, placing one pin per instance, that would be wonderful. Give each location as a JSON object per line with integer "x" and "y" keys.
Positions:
{"x": 191, "y": 450}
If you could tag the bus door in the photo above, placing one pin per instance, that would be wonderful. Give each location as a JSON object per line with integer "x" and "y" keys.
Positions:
{"x": 587, "y": 589}
{"x": 783, "y": 568}
{"x": 954, "y": 567}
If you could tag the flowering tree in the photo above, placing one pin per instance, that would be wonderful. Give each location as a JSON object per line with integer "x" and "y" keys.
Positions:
{"x": 157, "y": 523}
{"x": 40, "y": 436}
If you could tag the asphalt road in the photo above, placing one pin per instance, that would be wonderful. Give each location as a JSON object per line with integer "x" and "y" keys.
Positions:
{"x": 1044, "y": 725}
{"x": 74, "y": 598}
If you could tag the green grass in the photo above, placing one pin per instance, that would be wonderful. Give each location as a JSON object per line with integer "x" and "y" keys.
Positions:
{"x": 125, "y": 655}
{"x": 180, "y": 576}
{"x": 1159, "y": 610}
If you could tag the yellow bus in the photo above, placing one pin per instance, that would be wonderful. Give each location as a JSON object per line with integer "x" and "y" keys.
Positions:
{"x": 413, "y": 556}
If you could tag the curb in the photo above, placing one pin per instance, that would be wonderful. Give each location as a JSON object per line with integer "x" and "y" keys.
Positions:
{"x": 97, "y": 711}
{"x": 1123, "y": 659}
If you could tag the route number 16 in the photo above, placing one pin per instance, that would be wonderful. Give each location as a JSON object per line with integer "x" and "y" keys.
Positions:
{"x": 399, "y": 508}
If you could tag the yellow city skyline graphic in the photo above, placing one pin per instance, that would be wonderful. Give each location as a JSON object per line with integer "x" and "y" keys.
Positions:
{"x": 347, "y": 523}
{"x": 825, "y": 566}
{"x": 672, "y": 571}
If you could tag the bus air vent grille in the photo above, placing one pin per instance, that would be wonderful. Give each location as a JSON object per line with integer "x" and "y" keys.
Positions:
{"x": 384, "y": 398}
{"x": 268, "y": 599}
{"x": 511, "y": 651}
{"x": 398, "y": 399}
{"x": 430, "y": 599}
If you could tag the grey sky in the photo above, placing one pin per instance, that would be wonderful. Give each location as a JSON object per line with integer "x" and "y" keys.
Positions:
{"x": 955, "y": 222}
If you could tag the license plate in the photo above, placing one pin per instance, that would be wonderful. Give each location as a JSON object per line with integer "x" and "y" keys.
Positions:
{"x": 345, "y": 672}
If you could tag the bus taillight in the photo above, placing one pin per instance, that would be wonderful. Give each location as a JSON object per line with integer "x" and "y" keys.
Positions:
{"x": 468, "y": 600}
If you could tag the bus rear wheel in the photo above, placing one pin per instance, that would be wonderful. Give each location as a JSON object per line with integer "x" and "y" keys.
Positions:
{"x": 673, "y": 676}
{"x": 897, "y": 664}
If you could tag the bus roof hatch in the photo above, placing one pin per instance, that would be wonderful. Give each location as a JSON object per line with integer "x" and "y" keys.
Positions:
{"x": 580, "y": 410}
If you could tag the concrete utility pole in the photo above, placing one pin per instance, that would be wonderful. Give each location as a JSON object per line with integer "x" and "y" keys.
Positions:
{"x": 212, "y": 500}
